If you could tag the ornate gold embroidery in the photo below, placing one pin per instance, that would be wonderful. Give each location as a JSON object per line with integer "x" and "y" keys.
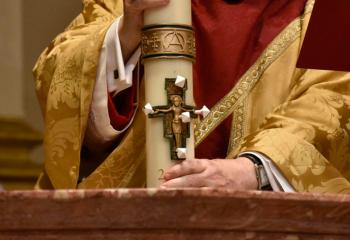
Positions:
{"x": 309, "y": 6}
{"x": 65, "y": 88}
{"x": 231, "y": 102}
{"x": 239, "y": 116}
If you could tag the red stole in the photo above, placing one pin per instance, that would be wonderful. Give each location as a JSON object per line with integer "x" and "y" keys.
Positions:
{"x": 230, "y": 38}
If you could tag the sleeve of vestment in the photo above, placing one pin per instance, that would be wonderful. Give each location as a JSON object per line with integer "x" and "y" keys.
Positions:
{"x": 307, "y": 137}
{"x": 65, "y": 76}
{"x": 106, "y": 121}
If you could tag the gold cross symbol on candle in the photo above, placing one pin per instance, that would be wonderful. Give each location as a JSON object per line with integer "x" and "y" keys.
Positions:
{"x": 176, "y": 129}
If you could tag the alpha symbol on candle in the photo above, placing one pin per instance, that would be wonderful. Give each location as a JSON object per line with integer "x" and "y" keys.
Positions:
{"x": 174, "y": 39}
{"x": 168, "y": 42}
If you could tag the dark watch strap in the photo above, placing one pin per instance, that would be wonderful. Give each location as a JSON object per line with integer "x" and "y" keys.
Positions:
{"x": 263, "y": 180}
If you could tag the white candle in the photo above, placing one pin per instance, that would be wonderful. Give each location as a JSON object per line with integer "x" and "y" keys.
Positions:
{"x": 178, "y": 12}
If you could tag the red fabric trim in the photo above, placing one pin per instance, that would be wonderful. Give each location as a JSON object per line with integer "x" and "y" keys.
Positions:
{"x": 121, "y": 107}
{"x": 230, "y": 38}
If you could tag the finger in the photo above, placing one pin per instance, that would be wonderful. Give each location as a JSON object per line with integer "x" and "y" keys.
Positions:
{"x": 189, "y": 181}
{"x": 185, "y": 168}
{"x": 146, "y": 4}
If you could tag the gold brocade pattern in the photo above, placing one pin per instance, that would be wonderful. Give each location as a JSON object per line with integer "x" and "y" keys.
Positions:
{"x": 232, "y": 101}
{"x": 309, "y": 6}
{"x": 65, "y": 76}
{"x": 307, "y": 134}
{"x": 238, "y": 126}
{"x": 126, "y": 165}
{"x": 298, "y": 118}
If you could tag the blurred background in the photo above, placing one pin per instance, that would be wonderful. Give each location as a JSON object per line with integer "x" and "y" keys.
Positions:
{"x": 26, "y": 28}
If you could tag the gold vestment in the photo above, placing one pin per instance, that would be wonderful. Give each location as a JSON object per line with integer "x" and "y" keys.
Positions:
{"x": 299, "y": 118}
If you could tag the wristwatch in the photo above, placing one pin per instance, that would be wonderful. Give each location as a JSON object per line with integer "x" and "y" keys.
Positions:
{"x": 261, "y": 176}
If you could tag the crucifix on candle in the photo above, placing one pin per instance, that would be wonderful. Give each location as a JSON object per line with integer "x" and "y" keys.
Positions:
{"x": 176, "y": 118}
{"x": 168, "y": 52}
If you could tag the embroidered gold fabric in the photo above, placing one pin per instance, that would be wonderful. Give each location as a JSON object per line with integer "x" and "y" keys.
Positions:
{"x": 299, "y": 118}
{"x": 65, "y": 76}
{"x": 232, "y": 102}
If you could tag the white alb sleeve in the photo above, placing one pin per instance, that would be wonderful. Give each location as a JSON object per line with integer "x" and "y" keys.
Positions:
{"x": 277, "y": 181}
{"x": 114, "y": 61}
{"x": 100, "y": 132}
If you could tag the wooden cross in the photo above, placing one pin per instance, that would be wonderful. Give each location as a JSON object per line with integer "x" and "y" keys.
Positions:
{"x": 174, "y": 128}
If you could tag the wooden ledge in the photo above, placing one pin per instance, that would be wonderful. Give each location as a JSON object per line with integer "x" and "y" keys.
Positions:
{"x": 199, "y": 212}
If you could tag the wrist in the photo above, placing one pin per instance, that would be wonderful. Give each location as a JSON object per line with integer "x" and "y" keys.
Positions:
{"x": 129, "y": 32}
{"x": 261, "y": 176}
{"x": 251, "y": 180}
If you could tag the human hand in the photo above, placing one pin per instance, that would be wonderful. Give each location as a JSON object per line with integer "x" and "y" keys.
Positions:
{"x": 132, "y": 22}
{"x": 237, "y": 174}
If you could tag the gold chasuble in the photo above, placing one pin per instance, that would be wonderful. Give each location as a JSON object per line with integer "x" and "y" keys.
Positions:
{"x": 65, "y": 78}
{"x": 299, "y": 118}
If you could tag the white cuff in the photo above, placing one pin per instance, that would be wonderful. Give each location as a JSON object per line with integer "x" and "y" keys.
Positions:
{"x": 115, "y": 61}
{"x": 100, "y": 133}
{"x": 277, "y": 181}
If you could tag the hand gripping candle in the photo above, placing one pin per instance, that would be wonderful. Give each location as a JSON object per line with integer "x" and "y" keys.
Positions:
{"x": 168, "y": 52}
